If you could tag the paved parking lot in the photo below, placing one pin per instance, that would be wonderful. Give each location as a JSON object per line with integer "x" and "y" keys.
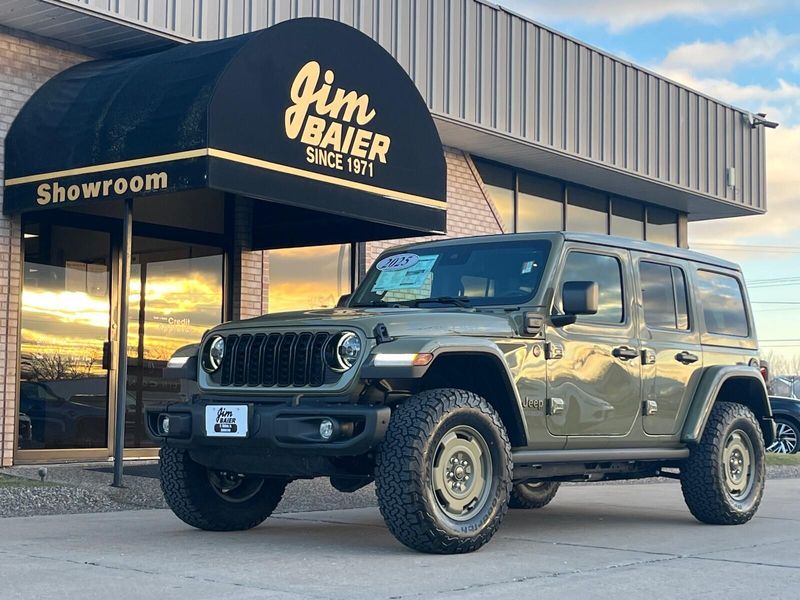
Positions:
{"x": 605, "y": 541}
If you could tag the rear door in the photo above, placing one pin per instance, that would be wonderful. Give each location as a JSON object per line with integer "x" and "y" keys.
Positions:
{"x": 672, "y": 357}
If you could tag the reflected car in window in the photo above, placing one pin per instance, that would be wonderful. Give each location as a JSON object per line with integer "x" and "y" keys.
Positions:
{"x": 786, "y": 412}
{"x": 57, "y": 422}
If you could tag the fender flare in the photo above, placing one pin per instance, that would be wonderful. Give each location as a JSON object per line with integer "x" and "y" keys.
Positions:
{"x": 708, "y": 390}
{"x": 441, "y": 347}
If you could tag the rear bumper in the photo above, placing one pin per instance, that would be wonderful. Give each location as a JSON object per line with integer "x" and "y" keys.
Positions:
{"x": 293, "y": 429}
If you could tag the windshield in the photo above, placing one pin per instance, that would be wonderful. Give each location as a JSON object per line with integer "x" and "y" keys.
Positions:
{"x": 468, "y": 275}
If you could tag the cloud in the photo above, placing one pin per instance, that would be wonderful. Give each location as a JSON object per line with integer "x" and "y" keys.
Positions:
{"x": 722, "y": 57}
{"x": 626, "y": 14}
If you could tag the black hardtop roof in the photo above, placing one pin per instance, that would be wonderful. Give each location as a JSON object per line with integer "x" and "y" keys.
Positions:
{"x": 588, "y": 238}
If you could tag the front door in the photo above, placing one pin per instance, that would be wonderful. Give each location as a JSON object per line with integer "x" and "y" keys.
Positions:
{"x": 175, "y": 296}
{"x": 65, "y": 326}
{"x": 593, "y": 366}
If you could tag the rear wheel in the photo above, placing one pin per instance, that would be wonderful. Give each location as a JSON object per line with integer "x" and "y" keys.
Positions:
{"x": 723, "y": 478}
{"x": 443, "y": 472}
{"x": 216, "y": 500}
{"x": 535, "y": 494}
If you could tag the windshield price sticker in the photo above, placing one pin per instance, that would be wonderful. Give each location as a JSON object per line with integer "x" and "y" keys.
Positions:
{"x": 412, "y": 276}
{"x": 398, "y": 262}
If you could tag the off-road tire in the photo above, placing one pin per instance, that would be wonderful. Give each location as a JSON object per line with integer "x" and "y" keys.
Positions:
{"x": 703, "y": 473}
{"x": 189, "y": 493}
{"x": 525, "y": 496}
{"x": 404, "y": 472}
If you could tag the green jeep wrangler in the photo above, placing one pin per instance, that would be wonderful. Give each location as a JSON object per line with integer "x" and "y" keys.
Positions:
{"x": 468, "y": 375}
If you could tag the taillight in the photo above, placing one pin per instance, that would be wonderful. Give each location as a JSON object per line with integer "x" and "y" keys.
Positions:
{"x": 764, "y": 373}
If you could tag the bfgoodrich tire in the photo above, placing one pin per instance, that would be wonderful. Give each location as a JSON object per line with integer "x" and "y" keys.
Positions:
{"x": 443, "y": 472}
{"x": 533, "y": 495}
{"x": 216, "y": 500}
{"x": 723, "y": 478}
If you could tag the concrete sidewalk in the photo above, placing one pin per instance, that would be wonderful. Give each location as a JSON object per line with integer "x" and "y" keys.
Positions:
{"x": 612, "y": 541}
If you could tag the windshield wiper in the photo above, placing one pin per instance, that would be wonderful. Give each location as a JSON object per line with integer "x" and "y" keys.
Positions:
{"x": 460, "y": 301}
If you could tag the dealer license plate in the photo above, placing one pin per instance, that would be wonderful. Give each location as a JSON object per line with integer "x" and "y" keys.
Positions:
{"x": 228, "y": 420}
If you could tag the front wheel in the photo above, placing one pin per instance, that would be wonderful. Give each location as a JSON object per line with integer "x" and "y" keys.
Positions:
{"x": 723, "y": 478}
{"x": 216, "y": 500}
{"x": 443, "y": 472}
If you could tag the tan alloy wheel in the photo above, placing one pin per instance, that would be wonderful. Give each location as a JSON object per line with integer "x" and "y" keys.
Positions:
{"x": 737, "y": 460}
{"x": 462, "y": 472}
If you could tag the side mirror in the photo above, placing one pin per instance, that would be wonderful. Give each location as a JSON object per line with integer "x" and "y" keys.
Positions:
{"x": 342, "y": 303}
{"x": 577, "y": 298}
{"x": 580, "y": 297}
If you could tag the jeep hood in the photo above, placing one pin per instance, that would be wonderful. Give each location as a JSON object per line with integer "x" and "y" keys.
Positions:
{"x": 399, "y": 321}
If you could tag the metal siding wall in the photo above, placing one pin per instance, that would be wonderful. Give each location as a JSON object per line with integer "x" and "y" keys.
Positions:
{"x": 475, "y": 62}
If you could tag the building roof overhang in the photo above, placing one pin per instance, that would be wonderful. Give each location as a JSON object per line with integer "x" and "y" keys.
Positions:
{"x": 549, "y": 161}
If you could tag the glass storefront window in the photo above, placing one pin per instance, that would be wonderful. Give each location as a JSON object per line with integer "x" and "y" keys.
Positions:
{"x": 662, "y": 226}
{"x": 627, "y": 219}
{"x": 175, "y": 296}
{"x": 499, "y": 182}
{"x": 540, "y": 204}
{"x": 65, "y": 321}
{"x": 587, "y": 211}
{"x": 304, "y": 278}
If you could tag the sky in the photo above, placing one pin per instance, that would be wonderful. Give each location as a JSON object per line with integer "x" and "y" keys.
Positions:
{"x": 745, "y": 53}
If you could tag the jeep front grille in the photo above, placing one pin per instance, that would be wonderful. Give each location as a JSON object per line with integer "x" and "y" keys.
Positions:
{"x": 275, "y": 359}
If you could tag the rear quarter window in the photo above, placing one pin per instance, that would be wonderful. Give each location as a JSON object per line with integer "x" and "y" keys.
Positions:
{"x": 723, "y": 304}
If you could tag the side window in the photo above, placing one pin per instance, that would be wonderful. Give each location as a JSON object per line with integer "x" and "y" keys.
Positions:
{"x": 681, "y": 298}
{"x": 723, "y": 304}
{"x": 664, "y": 296}
{"x": 607, "y": 272}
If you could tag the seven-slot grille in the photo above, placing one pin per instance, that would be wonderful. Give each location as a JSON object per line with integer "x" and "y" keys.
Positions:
{"x": 274, "y": 359}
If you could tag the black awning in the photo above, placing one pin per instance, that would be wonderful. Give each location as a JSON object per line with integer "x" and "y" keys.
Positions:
{"x": 310, "y": 113}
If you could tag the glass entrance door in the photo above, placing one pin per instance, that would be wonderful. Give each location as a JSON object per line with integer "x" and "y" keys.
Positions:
{"x": 66, "y": 303}
{"x": 176, "y": 295}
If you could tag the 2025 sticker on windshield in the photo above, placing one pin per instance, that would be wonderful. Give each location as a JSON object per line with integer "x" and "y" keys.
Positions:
{"x": 403, "y": 271}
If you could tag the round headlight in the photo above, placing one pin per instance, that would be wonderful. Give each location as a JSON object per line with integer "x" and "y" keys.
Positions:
{"x": 213, "y": 353}
{"x": 344, "y": 352}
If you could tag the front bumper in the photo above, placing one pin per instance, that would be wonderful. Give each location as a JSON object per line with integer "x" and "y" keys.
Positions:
{"x": 293, "y": 429}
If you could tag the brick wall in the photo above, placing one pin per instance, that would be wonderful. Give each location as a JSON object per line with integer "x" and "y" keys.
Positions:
{"x": 250, "y": 289}
{"x": 25, "y": 64}
{"x": 469, "y": 209}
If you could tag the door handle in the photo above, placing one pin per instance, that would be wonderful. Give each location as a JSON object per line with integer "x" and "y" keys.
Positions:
{"x": 625, "y": 353}
{"x": 686, "y": 358}
{"x": 106, "y": 356}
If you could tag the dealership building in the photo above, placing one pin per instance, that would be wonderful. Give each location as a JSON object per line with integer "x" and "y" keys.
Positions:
{"x": 264, "y": 169}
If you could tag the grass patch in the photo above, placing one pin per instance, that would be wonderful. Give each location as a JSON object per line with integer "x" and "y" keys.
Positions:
{"x": 9, "y": 481}
{"x": 783, "y": 459}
